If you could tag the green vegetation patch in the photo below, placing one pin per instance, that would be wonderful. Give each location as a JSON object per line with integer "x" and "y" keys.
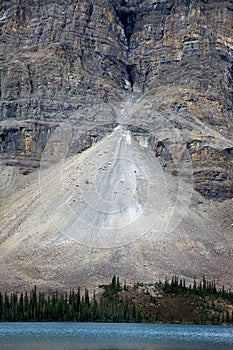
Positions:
{"x": 168, "y": 301}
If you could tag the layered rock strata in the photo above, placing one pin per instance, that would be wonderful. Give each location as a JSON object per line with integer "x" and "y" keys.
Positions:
{"x": 75, "y": 60}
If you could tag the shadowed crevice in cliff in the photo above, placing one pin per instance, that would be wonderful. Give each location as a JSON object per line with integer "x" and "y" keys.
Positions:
{"x": 132, "y": 72}
{"x": 127, "y": 16}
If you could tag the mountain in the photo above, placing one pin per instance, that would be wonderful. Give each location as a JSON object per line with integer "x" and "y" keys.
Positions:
{"x": 116, "y": 141}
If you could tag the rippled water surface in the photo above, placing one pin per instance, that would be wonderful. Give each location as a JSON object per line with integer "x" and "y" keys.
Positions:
{"x": 71, "y": 336}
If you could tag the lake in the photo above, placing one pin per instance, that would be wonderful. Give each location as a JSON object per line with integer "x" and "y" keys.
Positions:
{"x": 110, "y": 336}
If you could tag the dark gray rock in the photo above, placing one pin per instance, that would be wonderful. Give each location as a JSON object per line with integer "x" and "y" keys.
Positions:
{"x": 71, "y": 61}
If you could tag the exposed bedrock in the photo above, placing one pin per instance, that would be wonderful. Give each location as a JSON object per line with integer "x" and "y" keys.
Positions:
{"x": 75, "y": 62}
{"x": 111, "y": 112}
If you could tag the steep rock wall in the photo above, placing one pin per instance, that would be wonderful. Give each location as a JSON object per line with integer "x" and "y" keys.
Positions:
{"x": 76, "y": 61}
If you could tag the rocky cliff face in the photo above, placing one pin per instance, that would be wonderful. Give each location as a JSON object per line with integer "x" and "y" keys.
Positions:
{"x": 71, "y": 71}
{"x": 74, "y": 61}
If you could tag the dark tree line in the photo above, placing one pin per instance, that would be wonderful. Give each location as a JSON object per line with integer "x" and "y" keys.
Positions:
{"x": 107, "y": 307}
{"x": 72, "y": 306}
{"x": 199, "y": 293}
{"x": 201, "y": 288}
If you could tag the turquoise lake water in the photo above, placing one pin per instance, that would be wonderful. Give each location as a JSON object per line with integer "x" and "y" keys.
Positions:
{"x": 98, "y": 336}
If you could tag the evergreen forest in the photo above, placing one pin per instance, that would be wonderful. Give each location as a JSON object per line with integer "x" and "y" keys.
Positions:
{"x": 168, "y": 301}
